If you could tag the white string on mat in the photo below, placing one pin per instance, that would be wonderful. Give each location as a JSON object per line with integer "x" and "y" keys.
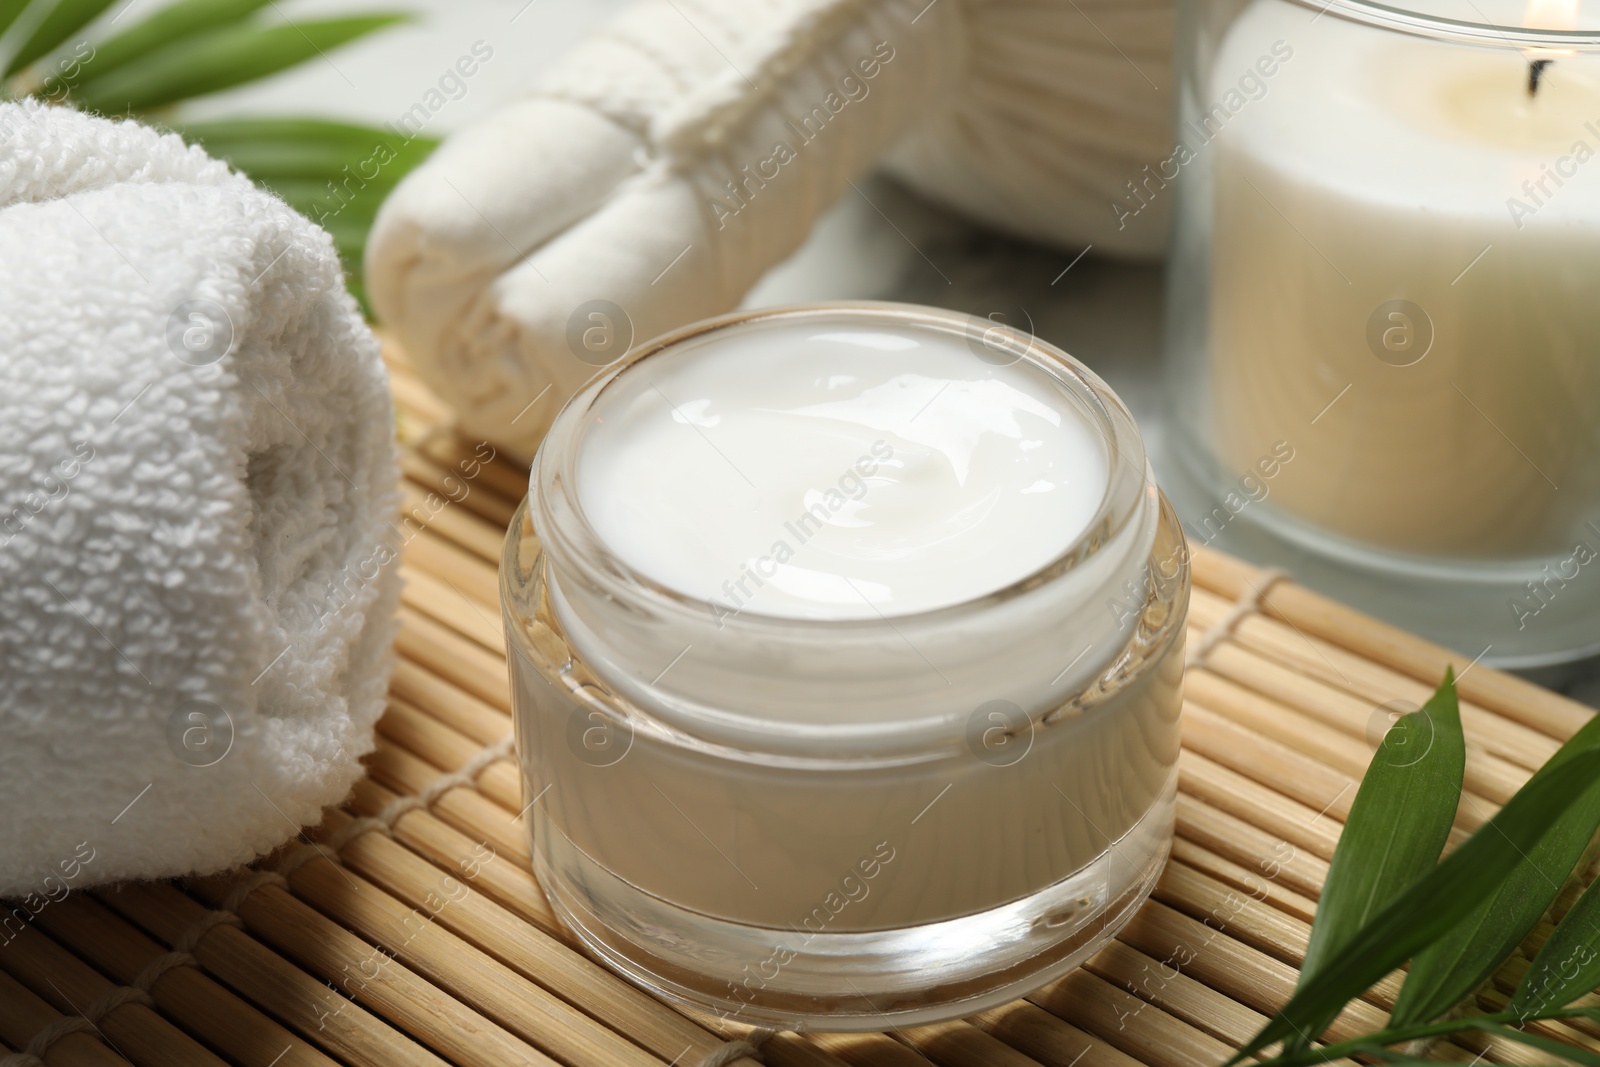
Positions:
{"x": 748, "y": 1046}
{"x": 226, "y": 914}
{"x": 1248, "y": 604}
{"x": 383, "y": 822}
{"x": 87, "y": 1021}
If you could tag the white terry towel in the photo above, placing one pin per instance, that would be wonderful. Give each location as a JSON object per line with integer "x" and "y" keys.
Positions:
{"x": 197, "y": 474}
{"x": 660, "y": 168}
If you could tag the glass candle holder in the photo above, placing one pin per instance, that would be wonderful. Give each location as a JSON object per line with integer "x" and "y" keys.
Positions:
{"x": 823, "y": 816}
{"x": 1381, "y": 318}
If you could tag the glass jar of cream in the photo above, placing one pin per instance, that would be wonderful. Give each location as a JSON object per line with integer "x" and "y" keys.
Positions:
{"x": 846, "y": 651}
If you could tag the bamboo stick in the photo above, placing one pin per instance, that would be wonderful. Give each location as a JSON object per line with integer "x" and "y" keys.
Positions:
{"x": 421, "y": 733}
{"x": 1049, "y": 1040}
{"x": 345, "y": 1029}
{"x": 867, "y": 1050}
{"x": 456, "y": 707}
{"x": 1225, "y": 912}
{"x": 1340, "y": 748}
{"x": 1296, "y": 816}
{"x": 1340, "y": 738}
{"x": 1507, "y": 695}
{"x": 499, "y": 474}
{"x": 187, "y": 995}
{"x": 464, "y": 808}
{"x": 460, "y": 571}
{"x": 522, "y": 946}
{"x": 1160, "y": 981}
{"x": 417, "y": 935}
{"x": 454, "y": 658}
{"x": 371, "y": 975}
{"x": 1223, "y": 963}
{"x": 1310, "y": 670}
{"x": 1236, "y": 839}
{"x": 448, "y": 605}
{"x": 70, "y": 986}
{"x": 1251, "y": 881}
{"x": 1247, "y": 920}
{"x": 447, "y": 482}
{"x": 23, "y": 1015}
{"x": 1279, "y": 817}
{"x": 793, "y": 1050}
{"x": 1293, "y": 777}
{"x": 455, "y": 565}
{"x": 1159, "y": 1040}
{"x": 960, "y": 1044}
{"x": 472, "y": 534}
{"x": 393, "y": 355}
{"x": 509, "y": 883}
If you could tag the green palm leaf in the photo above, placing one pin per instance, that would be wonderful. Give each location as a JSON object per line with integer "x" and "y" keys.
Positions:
{"x": 220, "y": 59}
{"x": 336, "y": 173}
{"x": 9, "y": 10}
{"x": 176, "y": 22}
{"x": 65, "y": 19}
{"x": 1398, "y": 826}
{"x": 1459, "y": 962}
{"x": 1568, "y": 966}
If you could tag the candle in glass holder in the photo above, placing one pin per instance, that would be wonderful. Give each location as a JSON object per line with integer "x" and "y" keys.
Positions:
{"x": 1405, "y": 248}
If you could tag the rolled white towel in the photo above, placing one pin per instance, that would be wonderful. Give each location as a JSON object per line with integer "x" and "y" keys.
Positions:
{"x": 660, "y": 168}
{"x": 197, "y": 478}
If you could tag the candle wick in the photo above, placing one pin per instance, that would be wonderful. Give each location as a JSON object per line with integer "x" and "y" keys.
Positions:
{"x": 1535, "y": 73}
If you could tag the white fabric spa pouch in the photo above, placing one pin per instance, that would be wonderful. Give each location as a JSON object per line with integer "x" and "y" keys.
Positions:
{"x": 653, "y": 174}
{"x": 197, "y": 472}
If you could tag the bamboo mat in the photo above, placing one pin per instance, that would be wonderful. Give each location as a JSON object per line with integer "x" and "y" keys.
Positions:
{"x": 412, "y": 932}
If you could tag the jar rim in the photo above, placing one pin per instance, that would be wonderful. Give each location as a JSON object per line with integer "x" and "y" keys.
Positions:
{"x": 553, "y": 485}
{"x": 1409, "y": 20}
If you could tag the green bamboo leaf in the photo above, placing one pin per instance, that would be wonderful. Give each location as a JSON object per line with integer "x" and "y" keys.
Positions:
{"x": 221, "y": 58}
{"x": 273, "y": 149}
{"x": 1568, "y": 966}
{"x": 1398, "y": 823}
{"x": 66, "y": 18}
{"x": 1544, "y": 1044}
{"x": 1444, "y": 897}
{"x": 1378, "y": 1044}
{"x": 1465, "y": 957}
{"x": 186, "y": 18}
{"x": 9, "y": 10}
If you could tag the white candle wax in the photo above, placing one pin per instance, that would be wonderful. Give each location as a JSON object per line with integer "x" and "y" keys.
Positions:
{"x": 821, "y": 472}
{"x": 1378, "y": 168}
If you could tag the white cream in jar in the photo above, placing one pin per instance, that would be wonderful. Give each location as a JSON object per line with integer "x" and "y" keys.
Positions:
{"x": 831, "y": 473}
{"x": 853, "y": 651}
